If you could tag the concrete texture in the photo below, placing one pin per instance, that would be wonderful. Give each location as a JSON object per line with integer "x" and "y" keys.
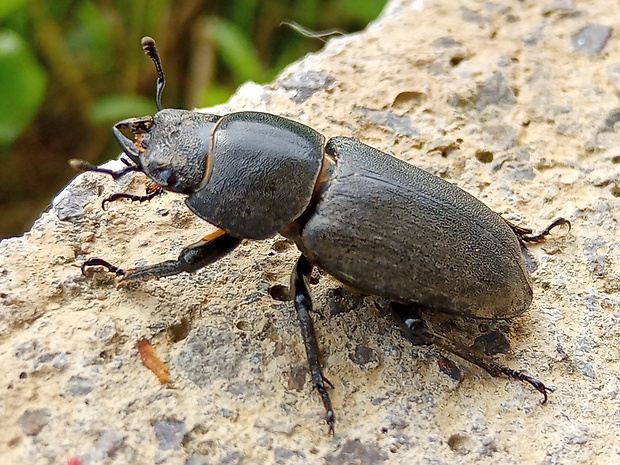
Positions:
{"x": 514, "y": 101}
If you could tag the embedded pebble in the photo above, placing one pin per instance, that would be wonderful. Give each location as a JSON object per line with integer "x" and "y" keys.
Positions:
{"x": 69, "y": 204}
{"x": 305, "y": 84}
{"x": 354, "y": 451}
{"x": 208, "y": 354}
{"x": 198, "y": 459}
{"x": 591, "y": 39}
{"x": 79, "y": 386}
{"x": 169, "y": 433}
{"x": 494, "y": 91}
{"x": 34, "y": 420}
{"x": 365, "y": 357}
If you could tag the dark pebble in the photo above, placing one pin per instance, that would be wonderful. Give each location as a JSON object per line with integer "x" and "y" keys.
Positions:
{"x": 354, "y": 451}
{"x": 591, "y": 39}
{"x": 34, "y": 420}
{"x": 169, "y": 432}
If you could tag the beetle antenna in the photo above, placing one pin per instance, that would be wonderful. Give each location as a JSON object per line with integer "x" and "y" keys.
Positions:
{"x": 148, "y": 44}
{"x": 321, "y": 35}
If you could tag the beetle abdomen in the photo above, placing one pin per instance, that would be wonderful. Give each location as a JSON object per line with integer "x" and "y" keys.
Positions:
{"x": 261, "y": 173}
{"x": 388, "y": 228}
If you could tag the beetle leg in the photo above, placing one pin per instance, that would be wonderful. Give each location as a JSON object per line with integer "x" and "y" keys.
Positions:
{"x": 416, "y": 330}
{"x": 81, "y": 165}
{"x": 101, "y": 262}
{"x": 192, "y": 258}
{"x": 526, "y": 234}
{"x": 303, "y": 305}
{"x": 152, "y": 190}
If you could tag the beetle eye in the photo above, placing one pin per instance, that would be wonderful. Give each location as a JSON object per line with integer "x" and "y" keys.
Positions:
{"x": 172, "y": 180}
{"x": 168, "y": 179}
{"x": 165, "y": 174}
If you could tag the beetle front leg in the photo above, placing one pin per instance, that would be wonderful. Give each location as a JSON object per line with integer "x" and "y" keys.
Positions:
{"x": 152, "y": 190}
{"x": 198, "y": 255}
{"x": 303, "y": 305}
{"x": 81, "y": 165}
{"x": 416, "y": 330}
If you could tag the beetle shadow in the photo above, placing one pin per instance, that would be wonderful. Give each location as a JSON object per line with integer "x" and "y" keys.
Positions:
{"x": 487, "y": 337}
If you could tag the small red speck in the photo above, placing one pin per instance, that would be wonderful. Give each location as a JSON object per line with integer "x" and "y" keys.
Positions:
{"x": 74, "y": 461}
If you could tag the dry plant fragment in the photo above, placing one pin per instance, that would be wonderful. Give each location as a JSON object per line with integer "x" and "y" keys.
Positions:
{"x": 152, "y": 361}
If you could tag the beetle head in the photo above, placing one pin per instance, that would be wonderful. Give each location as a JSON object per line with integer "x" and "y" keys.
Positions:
{"x": 171, "y": 147}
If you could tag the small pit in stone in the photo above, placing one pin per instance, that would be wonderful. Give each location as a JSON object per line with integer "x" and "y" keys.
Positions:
{"x": 484, "y": 156}
{"x": 279, "y": 292}
{"x": 281, "y": 246}
{"x": 455, "y": 60}
{"x": 180, "y": 330}
{"x": 244, "y": 325}
{"x": 460, "y": 443}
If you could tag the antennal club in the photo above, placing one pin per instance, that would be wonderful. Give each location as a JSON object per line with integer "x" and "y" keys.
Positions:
{"x": 148, "y": 44}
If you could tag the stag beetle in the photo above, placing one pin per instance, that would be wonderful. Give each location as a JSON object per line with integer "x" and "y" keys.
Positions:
{"x": 375, "y": 223}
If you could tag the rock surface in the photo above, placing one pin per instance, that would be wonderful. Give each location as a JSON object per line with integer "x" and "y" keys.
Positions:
{"x": 494, "y": 97}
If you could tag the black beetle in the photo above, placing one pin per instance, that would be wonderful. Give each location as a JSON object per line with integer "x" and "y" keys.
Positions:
{"x": 376, "y": 223}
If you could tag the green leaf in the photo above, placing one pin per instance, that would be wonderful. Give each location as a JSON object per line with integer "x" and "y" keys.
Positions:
{"x": 236, "y": 50}
{"x": 89, "y": 40}
{"x": 22, "y": 85}
{"x": 8, "y": 6}
{"x": 114, "y": 107}
{"x": 362, "y": 10}
{"x": 215, "y": 94}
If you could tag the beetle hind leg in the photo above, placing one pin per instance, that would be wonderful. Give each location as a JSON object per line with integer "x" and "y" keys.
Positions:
{"x": 416, "y": 330}
{"x": 303, "y": 305}
{"x": 527, "y": 235}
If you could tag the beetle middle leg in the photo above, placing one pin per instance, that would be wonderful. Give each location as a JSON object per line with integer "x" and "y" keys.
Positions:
{"x": 193, "y": 257}
{"x": 416, "y": 330}
{"x": 303, "y": 305}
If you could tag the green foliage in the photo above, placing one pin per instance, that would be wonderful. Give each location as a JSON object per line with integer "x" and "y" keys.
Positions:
{"x": 22, "y": 85}
{"x": 363, "y": 10}
{"x": 235, "y": 49}
{"x": 111, "y": 108}
{"x": 7, "y": 6}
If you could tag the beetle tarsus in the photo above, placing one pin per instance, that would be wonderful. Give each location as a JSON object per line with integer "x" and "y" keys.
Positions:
{"x": 536, "y": 384}
{"x": 303, "y": 305}
{"x": 101, "y": 262}
{"x": 526, "y": 234}
{"x": 416, "y": 331}
{"x": 328, "y": 382}
{"x": 152, "y": 191}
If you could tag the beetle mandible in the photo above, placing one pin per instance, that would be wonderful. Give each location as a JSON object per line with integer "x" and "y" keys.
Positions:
{"x": 375, "y": 223}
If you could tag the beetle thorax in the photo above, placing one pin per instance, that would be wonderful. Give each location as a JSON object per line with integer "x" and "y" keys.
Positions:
{"x": 261, "y": 174}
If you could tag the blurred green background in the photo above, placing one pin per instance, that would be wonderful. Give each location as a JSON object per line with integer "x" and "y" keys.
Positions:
{"x": 70, "y": 69}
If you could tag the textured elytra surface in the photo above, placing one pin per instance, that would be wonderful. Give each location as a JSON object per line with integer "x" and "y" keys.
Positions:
{"x": 495, "y": 97}
{"x": 387, "y": 228}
